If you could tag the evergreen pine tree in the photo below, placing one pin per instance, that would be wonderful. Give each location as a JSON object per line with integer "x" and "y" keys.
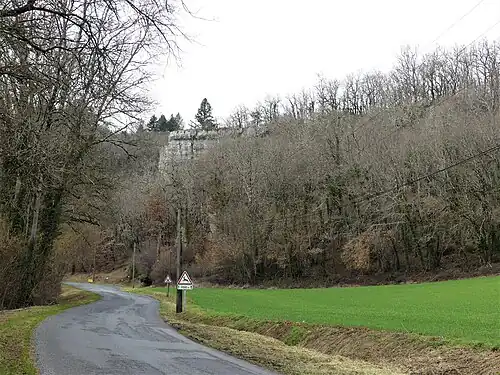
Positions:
{"x": 172, "y": 124}
{"x": 179, "y": 121}
{"x": 151, "y": 125}
{"x": 204, "y": 116}
{"x": 162, "y": 124}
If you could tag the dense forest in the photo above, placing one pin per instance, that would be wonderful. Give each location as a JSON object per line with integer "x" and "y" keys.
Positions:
{"x": 381, "y": 173}
{"x": 382, "y": 176}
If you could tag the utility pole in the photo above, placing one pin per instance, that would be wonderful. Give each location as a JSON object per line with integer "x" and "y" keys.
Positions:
{"x": 93, "y": 267}
{"x": 133, "y": 267}
{"x": 169, "y": 263}
{"x": 178, "y": 305}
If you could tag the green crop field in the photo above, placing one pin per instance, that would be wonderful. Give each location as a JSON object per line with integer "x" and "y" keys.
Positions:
{"x": 466, "y": 310}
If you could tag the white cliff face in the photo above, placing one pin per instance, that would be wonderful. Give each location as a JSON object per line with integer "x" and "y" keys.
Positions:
{"x": 187, "y": 144}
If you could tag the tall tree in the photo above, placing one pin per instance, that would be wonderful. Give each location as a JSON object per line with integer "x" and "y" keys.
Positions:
{"x": 179, "y": 120}
{"x": 239, "y": 118}
{"x": 173, "y": 124}
{"x": 70, "y": 74}
{"x": 151, "y": 126}
{"x": 204, "y": 116}
{"x": 162, "y": 124}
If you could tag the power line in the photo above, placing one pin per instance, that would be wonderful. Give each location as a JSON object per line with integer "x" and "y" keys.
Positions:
{"x": 432, "y": 174}
{"x": 457, "y": 22}
{"x": 314, "y": 212}
{"x": 364, "y": 123}
{"x": 439, "y": 101}
{"x": 429, "y": 175}
{"x": 442, "y": 99}
{"x": 480, "y": 36}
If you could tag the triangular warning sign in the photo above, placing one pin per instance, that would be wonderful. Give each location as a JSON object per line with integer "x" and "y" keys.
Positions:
{"x": 184, "y": 279}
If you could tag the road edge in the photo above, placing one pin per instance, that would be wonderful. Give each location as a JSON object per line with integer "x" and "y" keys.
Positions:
{"x": 18, "y": 328}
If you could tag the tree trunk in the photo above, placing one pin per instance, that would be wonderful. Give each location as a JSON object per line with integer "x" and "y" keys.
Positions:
{"x": 158, "y": 245}
{"x": 46, "y": 216}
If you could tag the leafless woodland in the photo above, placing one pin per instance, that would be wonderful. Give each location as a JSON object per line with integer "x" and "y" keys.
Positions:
{"x": 73, "y": 76}
{"x": 379, "y": 173}
{"x": 393, "y": 174}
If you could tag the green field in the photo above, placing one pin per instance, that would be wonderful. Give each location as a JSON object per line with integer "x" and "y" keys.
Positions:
{"x": 465, "y": 310}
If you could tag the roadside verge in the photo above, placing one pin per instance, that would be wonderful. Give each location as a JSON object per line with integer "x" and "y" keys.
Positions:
{"x": 243, "y": 341}
{"x": 17, "y": 327}
{"x": 297, "y": 348}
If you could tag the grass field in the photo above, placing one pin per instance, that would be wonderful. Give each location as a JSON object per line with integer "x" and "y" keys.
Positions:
{"x": 254, "y": 342}
{"x": 464, "y": 310}
{"x": 16, "y": 331}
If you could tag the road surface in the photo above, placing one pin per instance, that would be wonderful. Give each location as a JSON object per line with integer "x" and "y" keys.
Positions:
{"x": 123, "y": 334}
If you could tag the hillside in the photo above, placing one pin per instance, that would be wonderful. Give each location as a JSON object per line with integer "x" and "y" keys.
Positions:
{"x": 379, "y": 177}
{"x": 376, "y": 178}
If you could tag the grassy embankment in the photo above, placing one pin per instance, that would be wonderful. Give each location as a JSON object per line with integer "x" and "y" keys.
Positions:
{"x": 431, "y": 328}
{"x": 17, "y": 327}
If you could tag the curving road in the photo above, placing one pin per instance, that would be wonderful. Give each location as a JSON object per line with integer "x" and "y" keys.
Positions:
{"x": 123, "y": 334}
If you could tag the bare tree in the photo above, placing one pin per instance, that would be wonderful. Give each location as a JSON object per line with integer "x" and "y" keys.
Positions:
{"x": 71, "y": 77}
{"x": 239, "y": 118}
{"x": 327, "y": 92}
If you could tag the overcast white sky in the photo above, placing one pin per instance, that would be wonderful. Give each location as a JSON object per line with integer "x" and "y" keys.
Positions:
{"x": 260, "y": 47}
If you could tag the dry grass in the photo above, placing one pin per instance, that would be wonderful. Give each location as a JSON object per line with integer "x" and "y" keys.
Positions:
{"x": 17, "y": 326}
{"x": 275, "y": 354}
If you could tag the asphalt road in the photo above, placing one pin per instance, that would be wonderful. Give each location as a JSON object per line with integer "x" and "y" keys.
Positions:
{"x": 123, "y": 334}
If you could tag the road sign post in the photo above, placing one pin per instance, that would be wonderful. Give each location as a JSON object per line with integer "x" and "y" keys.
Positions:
{"x": 168, "y": 281}
{"x": 184, "y": 283}
{"x": 178, "y": 299}
{"x": 133, "y": 266}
